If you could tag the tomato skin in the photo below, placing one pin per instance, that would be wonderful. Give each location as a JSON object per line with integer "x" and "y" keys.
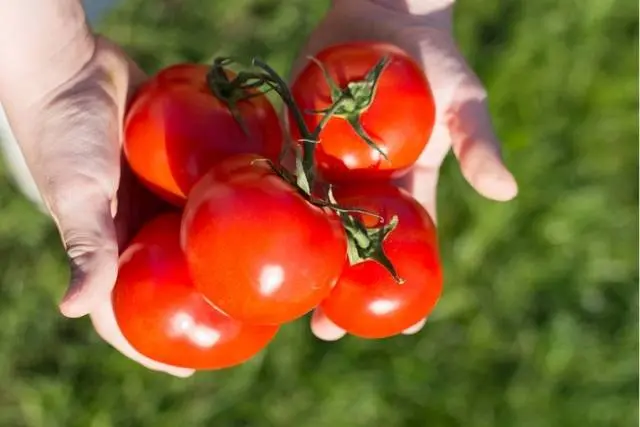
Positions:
{"x": 255, "y": 247}
{"x": 400, "y": 119}
{"x": 175, "y": 129}
{"x": 164, "y": 317}
{"x": 366, "y": 301}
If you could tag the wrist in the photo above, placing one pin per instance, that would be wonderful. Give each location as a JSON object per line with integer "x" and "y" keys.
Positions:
{"x": 41, "y": 52}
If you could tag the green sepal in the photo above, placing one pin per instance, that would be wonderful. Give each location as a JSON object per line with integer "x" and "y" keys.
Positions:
{"x": 352, "y": 101}
{"x": 303, "y": 181}
{"x": 354, "y": 121}
{"x": 232, "y": 91}
{"x": 366, "y": 243}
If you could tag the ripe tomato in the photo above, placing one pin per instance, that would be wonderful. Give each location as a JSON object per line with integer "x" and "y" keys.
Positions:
{"x": 175, "y": 129}
{"x": 164, "y": 317}
{"x": 366, "y": 301}
{"x": 399, "y": 119}
{"x": 255, "y": 247}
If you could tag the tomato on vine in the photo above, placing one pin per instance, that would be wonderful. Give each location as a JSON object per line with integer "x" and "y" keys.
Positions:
{"x": 382, "y": 105}
{"x": 368, "y": 301}
{"x": 256, "y": 247}
{"x": 165, "y": 318}
{"x": 189, "y": 116}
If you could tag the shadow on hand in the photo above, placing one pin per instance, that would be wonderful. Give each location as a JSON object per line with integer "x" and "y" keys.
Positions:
{"x": 136, "y": 205}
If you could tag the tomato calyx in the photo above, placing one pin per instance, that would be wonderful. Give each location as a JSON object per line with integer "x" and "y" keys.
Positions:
{"x": 231, "y": 91}
{"x": 350, "y": 102}
{"x": 366, "y": 243}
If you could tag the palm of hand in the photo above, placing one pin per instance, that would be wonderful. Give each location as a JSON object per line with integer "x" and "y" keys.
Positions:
{"x": 134, "y": 205}
{"x": 462, "y": 119}
{"x": 74, "y": 155}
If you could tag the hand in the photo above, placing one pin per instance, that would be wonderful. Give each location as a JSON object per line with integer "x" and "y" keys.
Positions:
{"x": 423, "y": 28}
{"x": 71, "y": 140}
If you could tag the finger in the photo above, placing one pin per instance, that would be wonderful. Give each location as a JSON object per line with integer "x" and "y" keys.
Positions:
{"x": 105, "y": 324}
{"x": 425, "y": 173}
{"x": 475, "y": 144}
{"x": 88, "y": 233}
{"x": 415, "y": 328}
{"x": 421, "y": 182}
{"x": 325, "y": 329}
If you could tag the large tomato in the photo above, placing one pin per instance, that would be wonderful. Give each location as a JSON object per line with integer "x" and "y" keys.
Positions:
{"x": 367, "y": 301}
{"x": 175, "y": 129}
{"x": 399, "y": 119}
{"x": 165, "y": 318}
{"x": 255, "y": 247}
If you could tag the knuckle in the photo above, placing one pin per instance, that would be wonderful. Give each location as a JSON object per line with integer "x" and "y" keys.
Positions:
{"x": 471, "y": 89}
{"x": 85, "y": 222}
{"x": 82, "y": 244}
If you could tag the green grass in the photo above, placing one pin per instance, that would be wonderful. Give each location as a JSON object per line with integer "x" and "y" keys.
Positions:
{"x": 538, "y": 324}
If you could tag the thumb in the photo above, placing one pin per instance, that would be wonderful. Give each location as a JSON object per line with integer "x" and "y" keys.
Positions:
{"x": 88, "y": 232}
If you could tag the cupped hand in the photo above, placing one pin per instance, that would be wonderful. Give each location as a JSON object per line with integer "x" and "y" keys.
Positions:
{"x": 423, "y": 28}
{"x": 71, "y": 141}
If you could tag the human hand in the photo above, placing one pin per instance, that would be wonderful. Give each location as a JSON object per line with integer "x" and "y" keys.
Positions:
{"x": 71, "y": 141}
{"x": 423, "y": 28}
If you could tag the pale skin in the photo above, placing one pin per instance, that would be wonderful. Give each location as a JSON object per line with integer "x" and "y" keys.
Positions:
{"x": 64, "y": 91}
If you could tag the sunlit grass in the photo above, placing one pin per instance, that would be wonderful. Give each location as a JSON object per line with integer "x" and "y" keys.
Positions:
{"x": 538, "y": 322}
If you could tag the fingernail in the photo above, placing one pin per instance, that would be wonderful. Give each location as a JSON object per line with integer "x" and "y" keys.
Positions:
{"x": 325, "y": 329}
{"x": 415, "y": 328}
{"x": 181, "y": 373}
{"x": 68, "y": 305}
{"x": 500, "y": 186}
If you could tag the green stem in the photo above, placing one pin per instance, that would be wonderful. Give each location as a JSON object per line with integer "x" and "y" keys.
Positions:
{"x": 309, "y": 152}
{"x": 309, "y": 139}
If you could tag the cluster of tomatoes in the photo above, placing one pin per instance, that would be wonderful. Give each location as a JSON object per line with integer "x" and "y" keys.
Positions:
{"x": 272, "y": 220}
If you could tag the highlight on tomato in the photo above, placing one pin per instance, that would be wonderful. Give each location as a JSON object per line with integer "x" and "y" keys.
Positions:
{"x": 256, "y": 247}
{"x": 189, "y": 116}
{"x": 382, "y": 107}
{"x": 164, "y": 317}
{"x": 374, "y": 300}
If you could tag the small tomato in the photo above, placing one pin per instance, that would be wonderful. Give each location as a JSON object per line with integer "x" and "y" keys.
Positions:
{"x": 165, "y": 318}
{"x": 393, "y": 110}
{"x": 256, "y": 247}
{"x": 367, "y": 301}
{"x": 176, "y": 128}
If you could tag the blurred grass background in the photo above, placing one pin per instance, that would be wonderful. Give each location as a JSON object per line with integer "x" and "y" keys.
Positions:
{"x": 538, "y": 324}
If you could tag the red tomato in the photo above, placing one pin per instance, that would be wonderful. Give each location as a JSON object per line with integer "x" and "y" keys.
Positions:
{"x": 175, "y": 129}
{"x": 366, "y": 301}
{"x": 165, "y": 318}
{"x": 255, "y": 247}
{"x": 399, "y": 119}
